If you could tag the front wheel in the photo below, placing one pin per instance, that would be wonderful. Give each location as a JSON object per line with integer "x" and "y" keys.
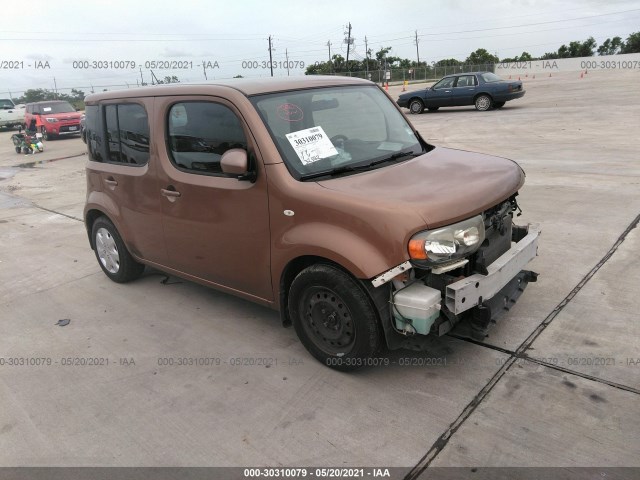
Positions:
{"x": 114, "y": 258}
{"x": 45, "y": 135}
{"x": 416, "y": 106}
{"x": 334, "y": 318}
{"x": 483, "y": 103}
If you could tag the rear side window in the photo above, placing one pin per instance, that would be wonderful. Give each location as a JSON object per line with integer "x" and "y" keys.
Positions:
{"x": 200, "y": 133}
{"x": 127, "y": 133}
{"x": 95, "y": 137}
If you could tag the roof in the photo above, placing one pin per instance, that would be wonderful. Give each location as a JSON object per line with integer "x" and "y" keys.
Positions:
{"x": 247, "y": 86}
{"x": 465, "y": 73}
{"x": 47, "y": 101}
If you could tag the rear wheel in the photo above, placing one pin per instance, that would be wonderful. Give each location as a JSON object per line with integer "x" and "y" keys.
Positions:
{"x": 18, "y": 149}
{"x": 114, "y": 258}
{"x": 483, "y": 103}
{"x": 498, "y": 104}
{"x": 416, "y": 106}
{"x": 333, "y": 317}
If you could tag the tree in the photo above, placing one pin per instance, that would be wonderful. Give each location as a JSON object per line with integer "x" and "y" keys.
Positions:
{"x": 610, "y": 46}
{"x": 481, "y": 56}
{"x": 577, "y": 49}
{"x": 380, "y": 54}
{"x": 448, "y": 62}
{"x": 168, "y": 79}
{"x": 632, "y": 45}
{"x": 525, "y": 57}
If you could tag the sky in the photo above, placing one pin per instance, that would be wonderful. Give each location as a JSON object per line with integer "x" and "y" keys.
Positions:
{"x": 50, "y": 45}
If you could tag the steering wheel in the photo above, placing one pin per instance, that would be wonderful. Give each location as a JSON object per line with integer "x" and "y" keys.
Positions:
{"x": 337, "y": 138}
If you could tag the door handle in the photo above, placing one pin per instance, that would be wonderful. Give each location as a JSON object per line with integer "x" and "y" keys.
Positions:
{"x": 112, "y": 182}
{"x": 170, "y": 192}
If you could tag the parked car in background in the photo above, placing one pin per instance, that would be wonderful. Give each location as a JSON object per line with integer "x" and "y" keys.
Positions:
{"x": 485, "y": 90}
{"x": 52, "y": 118}
{"x": 10, "y": 115}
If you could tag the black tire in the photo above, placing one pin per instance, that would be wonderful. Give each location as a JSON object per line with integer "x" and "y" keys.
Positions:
{"x": 334, "y": 318}
{"x": 483, "y": 103}
{"x": 113, "y": 257}
{"x": 18, "y": 149}
{"x": 416, "y": 106}
{"x": 45, "y": 135}
{"x": 498, "y": 104}
{"x": 433, "y": 109}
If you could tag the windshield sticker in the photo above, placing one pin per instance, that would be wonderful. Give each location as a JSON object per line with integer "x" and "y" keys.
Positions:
{"x": 46, "y": 109}
{"x": 390, "y": 146}
{"x": 290, "y": 112}
{"x": 311, "y": 145}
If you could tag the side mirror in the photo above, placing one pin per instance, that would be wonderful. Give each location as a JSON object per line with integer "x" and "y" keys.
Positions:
{"x": 234, "y": 162}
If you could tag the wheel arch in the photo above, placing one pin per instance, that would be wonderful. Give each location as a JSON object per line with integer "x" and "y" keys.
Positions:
{"x": 298, "y": 264}
{"x": 291, "y": 271}
{"x": 475, "y": 97}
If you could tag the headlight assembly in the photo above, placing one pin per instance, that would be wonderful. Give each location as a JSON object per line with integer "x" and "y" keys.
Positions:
{"x": 52, "y": 120}
{"x": 433, "y": 247}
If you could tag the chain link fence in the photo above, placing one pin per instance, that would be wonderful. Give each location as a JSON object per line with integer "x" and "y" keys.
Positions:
{"x": 419, "y": 74}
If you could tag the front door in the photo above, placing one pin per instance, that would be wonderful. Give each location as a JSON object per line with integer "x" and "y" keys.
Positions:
{"x": 216, "y": 226}
{"x": 441, "y": 93}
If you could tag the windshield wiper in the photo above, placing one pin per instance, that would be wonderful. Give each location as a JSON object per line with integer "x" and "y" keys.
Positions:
{"x": 393, "y": 157}
{"x": 358, "y": 168}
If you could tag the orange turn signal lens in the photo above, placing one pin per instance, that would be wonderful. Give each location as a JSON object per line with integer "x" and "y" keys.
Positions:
{"x": 416, "y": 249}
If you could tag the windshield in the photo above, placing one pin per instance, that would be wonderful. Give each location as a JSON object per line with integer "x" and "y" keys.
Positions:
{"x": 336, "y": 130}
{"x": 62, "y": 107}
{"x": 490, "y": 77}
{"x": 6, "y": 103}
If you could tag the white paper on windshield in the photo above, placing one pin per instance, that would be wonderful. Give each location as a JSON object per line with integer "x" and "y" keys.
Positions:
{"x": 311, "y": 145}
{"x": 46, "y": 109}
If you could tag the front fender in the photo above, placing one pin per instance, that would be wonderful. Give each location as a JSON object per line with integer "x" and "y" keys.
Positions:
{"x": 332, "y": 242}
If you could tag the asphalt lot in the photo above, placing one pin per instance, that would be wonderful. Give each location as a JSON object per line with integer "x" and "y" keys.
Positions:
{"x": 574, "y": 402}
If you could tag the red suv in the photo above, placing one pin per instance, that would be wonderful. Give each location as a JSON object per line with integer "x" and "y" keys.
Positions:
{"x": 52, "y": 118}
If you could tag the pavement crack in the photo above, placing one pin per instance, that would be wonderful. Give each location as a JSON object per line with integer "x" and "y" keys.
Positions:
{"x": 524, "y": 356}
{"x": 58, "y": 213}
{"x": 444, "y": 438}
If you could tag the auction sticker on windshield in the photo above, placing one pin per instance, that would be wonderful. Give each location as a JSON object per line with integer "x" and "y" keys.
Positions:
{"x": 311, "y": 145}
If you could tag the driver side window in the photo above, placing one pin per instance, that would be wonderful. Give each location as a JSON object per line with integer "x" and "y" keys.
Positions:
{"x": 200, "y": 133}
{"x": 444, "y": 83}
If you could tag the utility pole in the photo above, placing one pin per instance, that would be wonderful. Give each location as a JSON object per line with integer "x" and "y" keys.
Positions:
{"x": 141, "y": 78}
{"x": 329, "y": 45}
{"x": 348, "y": 42}
{"x": 204, "y": 70}
{"x": 417, "y": 50}
{"x": 286, "y": 54}
{"x": 270, "y": 56}
{"x": 55, "y": 87}
{"x": 366, "y": 53}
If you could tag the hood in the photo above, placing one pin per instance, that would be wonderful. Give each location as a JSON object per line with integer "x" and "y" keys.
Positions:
{"x": 443, "y": 186}
{"x": 63, "y": 116}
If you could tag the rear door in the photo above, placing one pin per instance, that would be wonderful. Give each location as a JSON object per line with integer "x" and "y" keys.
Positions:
{"x": 464, "y": 90}
{"x": 216, "y": 226}
{"x": 122, "y": 174}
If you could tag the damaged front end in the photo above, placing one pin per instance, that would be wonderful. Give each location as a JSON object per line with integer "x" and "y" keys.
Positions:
{"x": 462, "y": 278}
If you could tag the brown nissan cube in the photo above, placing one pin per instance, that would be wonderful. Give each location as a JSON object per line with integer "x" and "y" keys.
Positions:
{"x": 313, "y": 196}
